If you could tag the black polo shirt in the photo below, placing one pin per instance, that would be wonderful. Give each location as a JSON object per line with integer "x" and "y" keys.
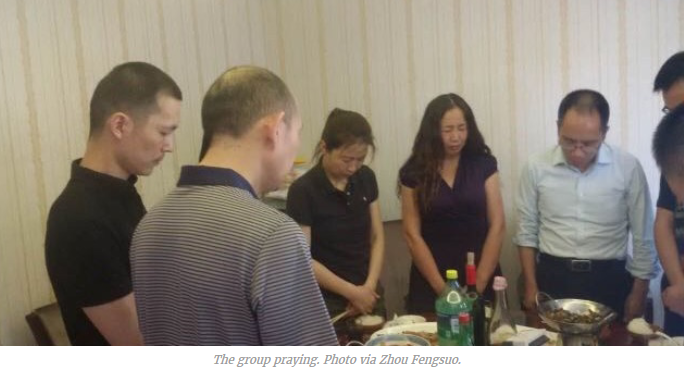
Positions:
{"x": 340, "y": 221}
{"x": 89, "y": 231}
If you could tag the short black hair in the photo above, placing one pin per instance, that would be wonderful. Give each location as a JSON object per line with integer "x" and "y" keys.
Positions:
{"x": 585, "y": 101}
{"x": 671, "y": 72}
{"x": 668, "y": 143}
{"x": 239, "y": 98}
{"x": 132, "y": 88}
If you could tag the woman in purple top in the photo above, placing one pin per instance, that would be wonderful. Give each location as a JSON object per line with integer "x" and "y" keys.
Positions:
{"x": 451, "y": 202}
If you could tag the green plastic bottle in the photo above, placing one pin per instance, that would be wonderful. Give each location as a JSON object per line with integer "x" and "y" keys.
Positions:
{"x": 450, "y": 303}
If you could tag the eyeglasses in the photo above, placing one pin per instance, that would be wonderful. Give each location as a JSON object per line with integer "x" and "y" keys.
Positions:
{"x": 585, "y": 146}
{"x": 666, "y": 110}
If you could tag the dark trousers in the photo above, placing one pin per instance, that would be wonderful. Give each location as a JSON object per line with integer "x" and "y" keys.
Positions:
{"x": 603, "y": 281}
{"x": 674, "y": 323}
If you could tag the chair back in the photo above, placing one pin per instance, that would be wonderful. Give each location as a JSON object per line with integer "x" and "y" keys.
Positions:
{"x": 47, "y": 326}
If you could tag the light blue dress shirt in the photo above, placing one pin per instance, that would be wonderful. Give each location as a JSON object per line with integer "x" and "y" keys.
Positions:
{"x": 567, "y": 213}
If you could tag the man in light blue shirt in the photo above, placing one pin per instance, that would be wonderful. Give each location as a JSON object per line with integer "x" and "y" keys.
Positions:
{"x": 577, "y": 204}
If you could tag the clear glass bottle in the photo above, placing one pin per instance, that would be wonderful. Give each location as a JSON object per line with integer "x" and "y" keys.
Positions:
{"x": 501, "y": 326}
{"x": 450, "y": 303}
{"x": 477, "y": 308}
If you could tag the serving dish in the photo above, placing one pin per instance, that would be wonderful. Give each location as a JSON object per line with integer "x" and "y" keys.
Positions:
{"x": 602, "y": 313}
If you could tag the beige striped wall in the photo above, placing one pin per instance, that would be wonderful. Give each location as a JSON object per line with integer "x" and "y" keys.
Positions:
{"x": 512, "y": 60}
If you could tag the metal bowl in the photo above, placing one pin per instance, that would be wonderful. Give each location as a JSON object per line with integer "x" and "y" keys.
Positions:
{"x": 576, "y": 306}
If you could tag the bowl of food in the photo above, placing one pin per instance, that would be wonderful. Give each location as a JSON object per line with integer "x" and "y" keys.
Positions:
{"x": 398, "y": 340}
{"x": 641, "y": 330}
{"x": 368, "y": 324}
{"x": 573, "y": 316}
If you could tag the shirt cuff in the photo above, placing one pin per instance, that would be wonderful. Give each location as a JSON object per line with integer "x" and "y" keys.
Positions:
{"x": 643, "y": 272}
{"x": 529, "y": 241}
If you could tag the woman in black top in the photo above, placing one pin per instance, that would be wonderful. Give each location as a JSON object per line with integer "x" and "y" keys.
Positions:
{"x": 451, "y": 202}
{"x": 336, "y": 204}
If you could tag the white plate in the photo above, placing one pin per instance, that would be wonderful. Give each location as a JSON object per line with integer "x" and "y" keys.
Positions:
{"x": 404, "y": 320}
{"x": 431, "y": 327}
{"x": 665, "y": 342}
{"x": 428, "y": 327}
{"x": 553, "y": 337}
{"x": 398, "y": 340}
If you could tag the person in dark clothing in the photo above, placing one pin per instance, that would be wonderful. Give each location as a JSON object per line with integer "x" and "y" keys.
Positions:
{"x": 669, "y": 221}
{"x": 134, "y": 112}
{"x": 451, "y": 202}
{"x": 336, "y": 204}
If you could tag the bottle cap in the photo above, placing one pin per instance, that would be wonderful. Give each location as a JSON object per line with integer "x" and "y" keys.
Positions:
{"x": 500, "y": 283}
{"x": 463, "y": 318}
{"x": 451, "y": 274}
{"x": 471, "y": 258}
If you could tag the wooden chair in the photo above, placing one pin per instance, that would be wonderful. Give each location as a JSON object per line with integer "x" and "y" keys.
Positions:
{"x": 47, "y": 326}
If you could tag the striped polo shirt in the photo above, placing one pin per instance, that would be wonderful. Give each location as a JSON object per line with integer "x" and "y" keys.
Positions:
{"x": 213, "y": 265}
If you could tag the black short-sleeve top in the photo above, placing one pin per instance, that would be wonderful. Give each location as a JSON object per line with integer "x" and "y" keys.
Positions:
{"x": 456, "y": 221}
{"x": 340, "y": 221}
{"x": 667, "y": 200}
{"x": 87, "y": 244}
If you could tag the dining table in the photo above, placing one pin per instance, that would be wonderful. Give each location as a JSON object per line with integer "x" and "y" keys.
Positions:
{"x": 613, "y": 334}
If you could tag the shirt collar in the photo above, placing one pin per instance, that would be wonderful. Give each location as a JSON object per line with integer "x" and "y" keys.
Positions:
{"x": 322, "y": 180}
{"x": 205, "y": 175}
{"x": 605, "y": 155}
{"x": 557, "y": 157}
{"x": 102, "y": 180}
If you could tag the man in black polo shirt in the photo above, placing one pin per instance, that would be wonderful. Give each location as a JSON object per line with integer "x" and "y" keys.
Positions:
{"x": 134, "y": 112}
{"x": 669, "y": 221}
{"x": 668, "y": 150}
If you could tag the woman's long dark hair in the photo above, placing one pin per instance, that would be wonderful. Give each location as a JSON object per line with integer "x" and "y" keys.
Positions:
{"x": 428, "y": 149}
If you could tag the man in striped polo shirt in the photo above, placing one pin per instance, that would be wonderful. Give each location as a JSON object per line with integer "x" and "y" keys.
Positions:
{"x": 213, "y": 265}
